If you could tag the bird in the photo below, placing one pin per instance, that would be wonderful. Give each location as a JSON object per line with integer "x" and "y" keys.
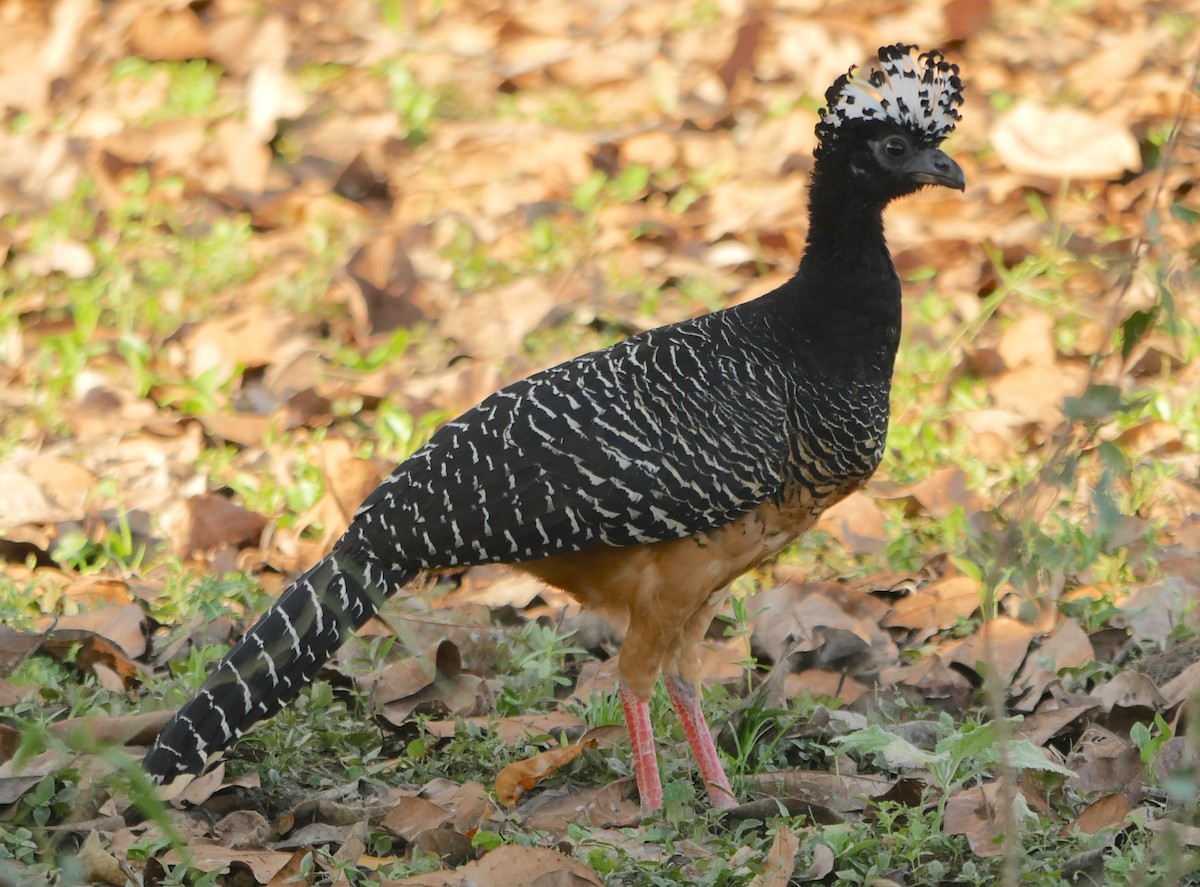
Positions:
{"x": 644, "y": 477}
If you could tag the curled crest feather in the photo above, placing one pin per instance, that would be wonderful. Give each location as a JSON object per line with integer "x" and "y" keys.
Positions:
{"x": 918, "y": 91}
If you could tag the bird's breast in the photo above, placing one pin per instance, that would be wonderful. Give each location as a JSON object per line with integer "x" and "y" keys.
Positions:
{"x": 678, "y": 576}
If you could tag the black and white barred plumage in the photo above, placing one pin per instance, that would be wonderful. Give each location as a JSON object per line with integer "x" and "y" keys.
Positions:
{"x": 670, "y": 434}
{"x": 664, "y": 435}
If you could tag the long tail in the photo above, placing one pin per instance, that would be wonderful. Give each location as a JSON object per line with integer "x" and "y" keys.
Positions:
{"x": 278, "y": 656}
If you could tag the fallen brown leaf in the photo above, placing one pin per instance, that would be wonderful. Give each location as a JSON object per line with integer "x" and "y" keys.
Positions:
{"x": 598, "y": 806}
{"x": 936, "y": 606}
{"x": 1000, "y": 645}
{"x": 98, "y": 865}
{"x": 512, "y": 866}
{"x": 520, "y": 776}
{"x": 838, "y": 792}
{"x": 1108, "y": 811}
{"x": 1064, "y": 142}
{"x": 292, "y": 872}
{"x": 411, "y": 816}
{"x": 821, "y": 866}
{"x": 974, "y": 811}
{"x": 263, "y": 864}
{"x": 780, "y": 861}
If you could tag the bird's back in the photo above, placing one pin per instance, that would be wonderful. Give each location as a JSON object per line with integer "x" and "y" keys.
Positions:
{"x": 666, "y": 434}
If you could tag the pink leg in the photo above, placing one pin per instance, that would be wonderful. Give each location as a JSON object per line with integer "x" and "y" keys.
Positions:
{"x": 687, "y": 705}
{"x": 645, "y": 764}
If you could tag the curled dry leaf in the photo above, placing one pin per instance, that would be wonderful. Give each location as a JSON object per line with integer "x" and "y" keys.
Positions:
{"x": 940, "y": 494}
{"x": 1184, "y": 834}
{"x": 135, "y": 729}
{"x": 1067, "y": 647}
{"x": 1029, "y": 341}
{"x": 354, "y": 846}
{"x": 520, "y": 776}
{"x": 122, "y": 625}
{"x": 451, "y": 847}
{"x": 252, "y": 337}
{"x": 16, "y": 647}
{"x": 819, "y": 682}
{"x": 1154, "y": 610}
{"x": 22, "y": 501}
{"x": 932, "y": 681}
{"x": 91, "y": 652}
{"x": 292, "y": 872}
{"x": 387, "y": 289}
{"x": 428, "y": 684}
{"x": 1183, "y": 686}
{"x": 244, "y": 828}
{"x": 168, "y": 35}
{"x": 821, "y": 865}
{"x": 468, "y": 803}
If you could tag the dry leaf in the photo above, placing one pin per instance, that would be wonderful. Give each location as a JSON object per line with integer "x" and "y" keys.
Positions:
{"x": 974, "y": 811}
{"x": 291, "y": 875}
{"x": 1106, "y": 812}
{"x": 936, "y": 606}
{"x": 600, "y": 805}
{"x": 411, "y": 816}
{"x": 214, "y": 521}
{"x": 1129, "y": 689}
{"x": 388, "y": 289}
{"x": 520, "y": 776}
{"x": 515, "y": 730}
{"x": 1105, "y": 762}
{"x": 1000, "y": 645}
{"x": 780, "y": 861}
{"x": 263, "y": 864}
{"x": 838, "y": 792}
{"x": 168, "y": 35}
{"x": 1064, "y": 142}
{"x": 98, "y": 865}
{"x": 16, "y": 647}
{"x": 858, "y": 522}
{"x": 821, "y": 866}
{"x": 512, "y": 866}
{"x": 431, "y": 683}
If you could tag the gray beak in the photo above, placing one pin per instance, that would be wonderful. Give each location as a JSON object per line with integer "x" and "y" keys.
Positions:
{"x": 935, "y": 167}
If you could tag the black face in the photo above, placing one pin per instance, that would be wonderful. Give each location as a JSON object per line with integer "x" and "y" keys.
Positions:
{"x": 891, "y": 162}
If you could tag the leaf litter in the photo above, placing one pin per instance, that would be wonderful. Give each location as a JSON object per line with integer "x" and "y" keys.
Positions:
{"x": 403, "y": 164}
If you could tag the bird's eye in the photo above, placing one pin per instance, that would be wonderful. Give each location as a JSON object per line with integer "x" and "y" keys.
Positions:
{"x": 895, "y": 147}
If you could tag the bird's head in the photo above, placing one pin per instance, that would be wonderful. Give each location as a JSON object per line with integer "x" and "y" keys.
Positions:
{"x": 884, "y": 122}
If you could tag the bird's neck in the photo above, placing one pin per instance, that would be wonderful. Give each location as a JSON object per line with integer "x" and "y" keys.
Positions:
{"x": 845, "y": 228}
{"x": 842, "y": 309}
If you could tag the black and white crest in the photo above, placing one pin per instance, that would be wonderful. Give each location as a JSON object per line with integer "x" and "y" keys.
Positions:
{"x": 919, "y": 90}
